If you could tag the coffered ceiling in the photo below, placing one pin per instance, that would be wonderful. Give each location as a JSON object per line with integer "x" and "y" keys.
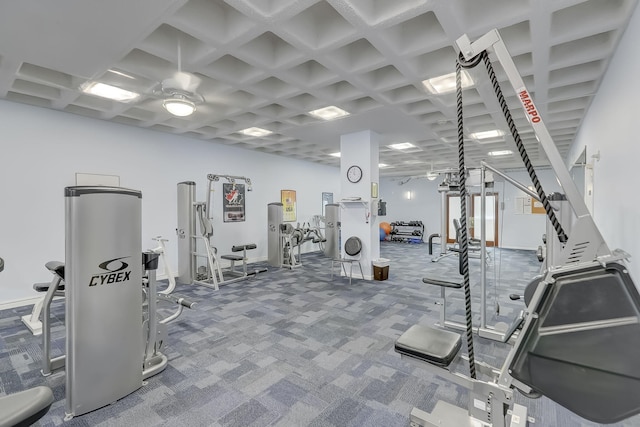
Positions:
{"x": 268, "y": 63}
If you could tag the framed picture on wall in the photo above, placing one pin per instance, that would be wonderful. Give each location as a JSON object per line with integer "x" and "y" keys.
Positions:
{"x": 288, "y": 199}
{"x": 233, "y": 202}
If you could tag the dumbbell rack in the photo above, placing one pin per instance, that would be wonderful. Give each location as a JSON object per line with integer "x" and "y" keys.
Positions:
{"x": 407, "y": 231}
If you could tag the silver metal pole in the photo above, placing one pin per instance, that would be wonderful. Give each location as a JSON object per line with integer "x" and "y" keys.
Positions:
{"x": 443, "y": 223}
{"x": 511, "y": 180}
{"x": 483, "y": 250}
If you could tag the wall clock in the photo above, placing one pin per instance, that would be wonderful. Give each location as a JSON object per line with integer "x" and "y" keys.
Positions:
{"x": 354, "y": 174}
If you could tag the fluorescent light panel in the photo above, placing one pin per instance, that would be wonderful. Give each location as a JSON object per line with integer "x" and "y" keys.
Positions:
{"x": 335, "y": 154}
{"x": 104, "y": 90}
{"x": 447, "y": 83}
{"x": 401, "y": 146}
{"x": 329, "y": 113}
{"x": 254, "y": 131}
{"x": 488, "y": 134}
{"x": 500, "y": 153}
{"x": 382, "y": 165}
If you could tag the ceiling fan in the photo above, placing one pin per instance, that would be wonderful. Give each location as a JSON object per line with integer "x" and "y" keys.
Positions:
{"x": 178, "y": 93}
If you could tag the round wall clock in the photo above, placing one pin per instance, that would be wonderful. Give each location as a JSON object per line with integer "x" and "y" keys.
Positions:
{"x": 354, "y": 174}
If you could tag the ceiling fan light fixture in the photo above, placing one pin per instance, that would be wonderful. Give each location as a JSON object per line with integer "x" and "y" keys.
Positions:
{"x": 179, "y": 106}
{"x": 431, "y": 176}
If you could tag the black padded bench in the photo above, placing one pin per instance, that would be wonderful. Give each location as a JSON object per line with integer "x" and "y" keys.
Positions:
{"x": 435, "y": 346}
{"x": 233, "y": 257}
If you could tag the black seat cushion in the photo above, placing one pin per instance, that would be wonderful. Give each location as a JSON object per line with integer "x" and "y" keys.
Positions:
{"x": 435, "y": 346}
{"x": 239, "y": 248}
{"x": 233, "y": 257}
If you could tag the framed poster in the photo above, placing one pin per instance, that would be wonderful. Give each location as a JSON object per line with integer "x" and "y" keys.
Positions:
{"x": 288, "y": 199}
{"x": 233, "y": 202}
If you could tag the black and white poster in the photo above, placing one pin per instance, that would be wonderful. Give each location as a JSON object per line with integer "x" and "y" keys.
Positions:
{"x": 233, "y": 202}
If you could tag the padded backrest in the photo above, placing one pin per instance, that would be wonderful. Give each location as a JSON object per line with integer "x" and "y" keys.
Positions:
{"x": 353, "y": 246}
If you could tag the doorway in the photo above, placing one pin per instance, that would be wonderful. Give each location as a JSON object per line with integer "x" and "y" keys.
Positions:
{"x": 491, "y": 208}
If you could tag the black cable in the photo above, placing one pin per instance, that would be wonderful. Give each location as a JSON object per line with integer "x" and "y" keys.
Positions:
{"x": 562, "y": 236}
{"x": 464, "y": 242}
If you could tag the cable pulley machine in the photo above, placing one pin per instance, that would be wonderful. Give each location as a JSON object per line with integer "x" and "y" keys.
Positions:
{"x": 579, "y": 336}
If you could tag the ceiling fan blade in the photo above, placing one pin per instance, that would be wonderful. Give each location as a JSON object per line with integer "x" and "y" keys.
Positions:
{"x": 183, "y": 81}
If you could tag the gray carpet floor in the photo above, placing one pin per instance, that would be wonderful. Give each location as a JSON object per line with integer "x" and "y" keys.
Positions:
{"x": 295, "y": 348}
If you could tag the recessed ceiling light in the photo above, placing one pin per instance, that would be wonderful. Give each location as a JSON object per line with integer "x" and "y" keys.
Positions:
{"x": 401, "y": 146}
{"x": 382, "y": 165}
{"x": 495, "y": 133}
{"x": 335, "y": 154}
{"x": 254, "y": 131}
{"x": 329, "y": 113}
{"x": 447, "y": 83}
{"x": 500, "y": 153}
{"x": 110, "y": 92}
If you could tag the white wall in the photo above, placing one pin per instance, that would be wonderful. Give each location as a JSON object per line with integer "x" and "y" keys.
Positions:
{"x": 41, "y": 150}
{"x": 516, "y": 231}
{"x": 610, "y": 128}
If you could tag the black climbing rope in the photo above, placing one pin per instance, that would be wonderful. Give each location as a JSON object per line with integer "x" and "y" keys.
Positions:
{"x": 464, "y": 242}
{"x": 562, "y": 236}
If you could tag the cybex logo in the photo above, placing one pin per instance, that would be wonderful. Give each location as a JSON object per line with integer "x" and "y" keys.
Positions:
{"x": 115, "y": 272}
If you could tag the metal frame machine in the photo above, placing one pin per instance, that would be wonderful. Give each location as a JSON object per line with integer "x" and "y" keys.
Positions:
{"x": 578, "y": 339}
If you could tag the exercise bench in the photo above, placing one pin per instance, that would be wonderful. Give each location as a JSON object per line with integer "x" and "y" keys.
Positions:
{"x": 234, "y": 258}
{"x": 437, "y": 350}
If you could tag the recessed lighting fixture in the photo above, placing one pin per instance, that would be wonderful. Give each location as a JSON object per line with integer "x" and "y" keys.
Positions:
{"x": 488, "y": 134}
{"x": 110, "y": 92}
{"x": 401, "y": 146}
{"x": 335, "y": 154}
{"x": 447, "y": 83}
{"x": 254, "y": 131}
{"x": 329, "y": 113}
{"x": 500, "y": 153}
{"x": 179, "y": 106}
{"x": 382, "y": 165}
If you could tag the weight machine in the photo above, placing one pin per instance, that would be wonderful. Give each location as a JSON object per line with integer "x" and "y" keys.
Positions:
{"x": 579, "y": 335}
{"x": 198, "y": 259}
{"x": 112, "y": 329}
{"x": 34, "y": 324}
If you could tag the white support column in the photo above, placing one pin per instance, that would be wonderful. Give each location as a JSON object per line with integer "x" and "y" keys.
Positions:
{"x": 359, "y": 218}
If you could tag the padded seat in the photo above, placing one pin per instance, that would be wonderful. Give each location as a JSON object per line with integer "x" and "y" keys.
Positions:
{"x": 247, "y": 247}
{"x": 435, "y": 346}
{"x": 56, "y": 267}
{"x": 233, "y": 257}
{"x": 25, "y": 407}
